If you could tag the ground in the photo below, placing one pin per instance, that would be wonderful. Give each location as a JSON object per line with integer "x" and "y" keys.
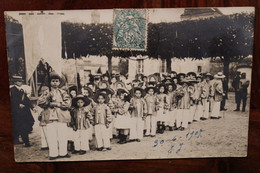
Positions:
{"x": 224, "y": 137}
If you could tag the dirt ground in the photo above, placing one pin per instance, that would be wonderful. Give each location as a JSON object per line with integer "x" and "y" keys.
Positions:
{"x": 224, "y": 137}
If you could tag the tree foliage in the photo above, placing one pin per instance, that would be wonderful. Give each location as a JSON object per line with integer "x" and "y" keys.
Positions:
{"x": 15, "y": 47}
{"x": 225, "y": 36}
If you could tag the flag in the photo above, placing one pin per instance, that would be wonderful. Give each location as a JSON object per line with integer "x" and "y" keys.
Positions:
{"x": 42, "y": 39}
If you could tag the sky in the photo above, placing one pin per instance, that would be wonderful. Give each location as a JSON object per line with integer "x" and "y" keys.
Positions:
{"x": 106, "y": 16}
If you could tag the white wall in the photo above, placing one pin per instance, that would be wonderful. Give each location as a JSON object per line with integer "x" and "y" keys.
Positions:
{"x": 187, "y": 65}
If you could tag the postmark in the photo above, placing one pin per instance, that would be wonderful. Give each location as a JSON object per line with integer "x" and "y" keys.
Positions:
{"x": 130, "y": 29}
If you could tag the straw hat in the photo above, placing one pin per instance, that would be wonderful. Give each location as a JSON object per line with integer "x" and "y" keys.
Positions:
{"x": 17, "y": 78}
{"x": 151, "y": 86}
{"x": 219, "y": 75}
{"x": 133, "y": 90}
{"x": 95, "y": 98}
{"x": 85, "y": 99}
{"x": 162, "y": 85}
{"x": 209, "y": 75}
{"x": 122, "y": 90}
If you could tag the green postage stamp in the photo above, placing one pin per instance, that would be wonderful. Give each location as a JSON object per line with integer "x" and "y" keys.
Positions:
{"x": 130, "y": 29}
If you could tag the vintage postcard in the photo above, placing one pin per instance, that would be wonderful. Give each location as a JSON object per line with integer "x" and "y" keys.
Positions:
{"x": 122, "y": 84}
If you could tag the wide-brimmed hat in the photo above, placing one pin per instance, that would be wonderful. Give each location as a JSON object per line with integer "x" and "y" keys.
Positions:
{"x": 103, "y": 82}
{"x": 191, "y": 79}
{"x": 152, "y": 78}
{"x": 162, "y": 85}
{"x": 185, "y": 80}
{"x": 122, "y": 90}
{"x": 17, "y": 78}
{"x": 98, "y": 93}
{"x": 97, "y": 76}
{"x": 172, "y": 84}
{"x": 168, "y": 80}
{"x": 73, "y": 87}
{"x": 133, "y": 90}
{"x": 192, "y": 74}
{"x": 173, "y": 72}
{"x": 199, "y": 77}
{"x": 106, "y": 90}
{"x": 137, "y": 76}
{"x": 181, "y": 74}
{"x": 219, "y": 75}
{"x": 120, "y": 83}
{"x": 54, "y": 75}
{"x": 209, "y": 75}
{"x": 90, "y": 91}
{"x": 151, "y": 86}
{"x": 80, "y": 97}
{"x": 138, "y": 82}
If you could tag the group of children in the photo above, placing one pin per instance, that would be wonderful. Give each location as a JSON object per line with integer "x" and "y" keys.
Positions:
{"x": 126, "y": 111}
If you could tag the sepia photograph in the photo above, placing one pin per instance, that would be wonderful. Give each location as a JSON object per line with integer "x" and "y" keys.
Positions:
{"x": 122, "y": 84}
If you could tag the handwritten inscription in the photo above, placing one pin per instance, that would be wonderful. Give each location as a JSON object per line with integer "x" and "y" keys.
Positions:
{"x": 177, "y": 142}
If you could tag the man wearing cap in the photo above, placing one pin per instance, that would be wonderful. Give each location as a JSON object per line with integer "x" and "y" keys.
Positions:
{"x": 21, "y": 114}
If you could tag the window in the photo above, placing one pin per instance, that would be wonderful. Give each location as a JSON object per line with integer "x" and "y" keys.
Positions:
{"x": 199, "y": 69}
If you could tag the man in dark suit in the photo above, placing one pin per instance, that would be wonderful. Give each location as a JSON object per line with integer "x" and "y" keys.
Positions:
{"x": 243, "y": 85}
{"x": 225, "y": 91}
{"x": 21, "y": 114}
{"x": 235, "y": 85}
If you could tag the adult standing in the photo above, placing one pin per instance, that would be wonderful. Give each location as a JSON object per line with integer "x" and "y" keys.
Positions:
{"x": 218, "y": 94}
{"x": 225, "y": 90}
{"x": 235, "y": 85}
{"x": 243, "y": 85}
{"x": 21, "y": 113}
{"x": 206, "y": 96}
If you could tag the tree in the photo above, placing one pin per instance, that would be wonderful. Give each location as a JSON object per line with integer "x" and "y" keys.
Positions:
{"x": 227, "y": 37}
{"x": 15, "y": 47}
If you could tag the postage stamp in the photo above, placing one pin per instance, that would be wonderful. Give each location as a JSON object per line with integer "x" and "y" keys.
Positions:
{"x": 130, "y": 29}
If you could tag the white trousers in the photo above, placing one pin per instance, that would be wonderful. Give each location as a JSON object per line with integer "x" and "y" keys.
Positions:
{"x": 81, "y": 140}
{"x": 172, "y": 117}
{"x": 90, "y": 131}
{"x": 179, "y": 113}
{"x": 215, "y": 109}
{"x": 192, "y": 113}
{"x": 198, "y": 112}
{"x": 151, "y": 123}
{"x": 136, "y": 132}
{"x": 71, "y": 134}
{"x": 205, "y": 110}
{"x": 57, "y": 136}
{"x": 185, "y": 118}
{"x": 182, "y": 118}
{"x": 102, "y": 135}
{"x": 44, "y": 142}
